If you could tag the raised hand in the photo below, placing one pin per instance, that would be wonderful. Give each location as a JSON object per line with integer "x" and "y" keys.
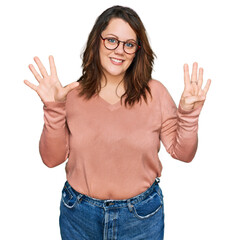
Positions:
{"x": 193, "y": 95}
{"x": 49, "y": 88}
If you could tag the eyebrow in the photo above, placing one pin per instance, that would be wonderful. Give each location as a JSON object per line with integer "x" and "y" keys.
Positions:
{"x": 118, "y": 37}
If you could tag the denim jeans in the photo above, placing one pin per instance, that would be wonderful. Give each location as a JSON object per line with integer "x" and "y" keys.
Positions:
{"x": 86, "y": 218}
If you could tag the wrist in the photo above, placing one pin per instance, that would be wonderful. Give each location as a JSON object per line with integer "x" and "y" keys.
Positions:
{"x": 186, "y": 107}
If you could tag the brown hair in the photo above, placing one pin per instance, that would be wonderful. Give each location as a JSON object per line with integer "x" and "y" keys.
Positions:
{"x": 139, "y": 72}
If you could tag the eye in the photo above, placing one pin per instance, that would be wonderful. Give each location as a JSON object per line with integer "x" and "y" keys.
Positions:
{"x": 130, "y": 44}
{"x": 112, "y": 40}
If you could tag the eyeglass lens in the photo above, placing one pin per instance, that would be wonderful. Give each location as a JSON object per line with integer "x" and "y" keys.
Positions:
{"x": 112, "y": 43}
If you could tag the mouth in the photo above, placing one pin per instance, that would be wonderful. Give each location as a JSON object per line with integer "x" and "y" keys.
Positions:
{"x": 116, "y": 61}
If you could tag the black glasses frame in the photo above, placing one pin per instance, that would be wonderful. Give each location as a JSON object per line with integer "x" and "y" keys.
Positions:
{"x": 138, "y": 46}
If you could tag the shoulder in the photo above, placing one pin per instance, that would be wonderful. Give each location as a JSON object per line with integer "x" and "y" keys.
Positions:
{"x": 72, "y": 98}
{"x": 73, "y": 93}
{"x": 160, "y": 92}
{"x": 157, "y": 87}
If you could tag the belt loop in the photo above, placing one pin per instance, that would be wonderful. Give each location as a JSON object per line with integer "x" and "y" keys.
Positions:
{"x": 130, "y": 206}
{"x": 79, "y": 197}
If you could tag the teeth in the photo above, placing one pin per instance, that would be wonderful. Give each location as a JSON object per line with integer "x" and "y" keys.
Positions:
{"x": 116, "y": 60}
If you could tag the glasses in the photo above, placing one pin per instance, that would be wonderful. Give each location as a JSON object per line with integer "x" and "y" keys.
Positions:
{"x": 129, "y": 47}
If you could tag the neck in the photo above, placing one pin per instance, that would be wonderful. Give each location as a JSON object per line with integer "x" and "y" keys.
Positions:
{"x": 112, "y": 81}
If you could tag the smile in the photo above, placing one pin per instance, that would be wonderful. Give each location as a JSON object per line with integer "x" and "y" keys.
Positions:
{"x": 116, "y": 61}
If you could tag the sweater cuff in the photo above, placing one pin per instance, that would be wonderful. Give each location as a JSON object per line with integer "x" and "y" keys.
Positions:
{"x": 54, "y": 115}
{"x": 53, "y": 104}
{"x": 193, "y": 112}
{"x": 188, "y": 120}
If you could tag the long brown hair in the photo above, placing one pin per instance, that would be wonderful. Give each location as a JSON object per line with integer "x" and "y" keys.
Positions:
{"x": 139, "y": 72}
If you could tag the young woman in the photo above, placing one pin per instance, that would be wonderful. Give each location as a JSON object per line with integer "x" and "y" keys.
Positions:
{"x": 109, "y": 125}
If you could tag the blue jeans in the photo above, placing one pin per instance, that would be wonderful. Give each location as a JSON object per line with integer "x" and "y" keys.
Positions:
{"x": 86, "y": 218}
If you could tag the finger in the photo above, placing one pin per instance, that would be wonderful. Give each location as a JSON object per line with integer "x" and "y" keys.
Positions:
{"x": 194, "y": 73}
{"x": 35, "y": 73}
{"x": 206, "y": 88}
{"x": 52, "y": 65}
{"x": 32, "y": 86}
{"x": 186, "y": 75}
{"x": 42, "y": 69}
{"x": 200, "y": 78}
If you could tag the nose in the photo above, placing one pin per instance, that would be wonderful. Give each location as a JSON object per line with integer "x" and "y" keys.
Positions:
{"x": 120, "y": 48}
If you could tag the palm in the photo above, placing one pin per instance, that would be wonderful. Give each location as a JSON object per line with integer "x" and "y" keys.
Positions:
{"x": 49, "y": 88}
{"x": 193, "y": 95}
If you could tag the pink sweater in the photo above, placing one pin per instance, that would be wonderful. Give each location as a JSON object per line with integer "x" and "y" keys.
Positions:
{"x": 112, "y": 151}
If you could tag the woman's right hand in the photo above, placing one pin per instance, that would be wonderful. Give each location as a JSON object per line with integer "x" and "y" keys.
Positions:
{"x": 49, "y": 88}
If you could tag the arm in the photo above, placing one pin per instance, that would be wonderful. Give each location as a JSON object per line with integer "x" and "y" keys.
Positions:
{"x": 179, "y": 131}
{"x": 54, "y": 141}
{"x": 53, "y": 145}
{"x": 180, "y": 126}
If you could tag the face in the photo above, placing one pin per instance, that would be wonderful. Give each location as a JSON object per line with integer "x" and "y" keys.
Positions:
{"x": 116, "y": 62}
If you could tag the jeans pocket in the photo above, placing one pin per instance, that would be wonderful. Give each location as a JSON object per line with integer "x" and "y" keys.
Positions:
{"x": 148, "y": 207}
{"x": 69, "y": 198}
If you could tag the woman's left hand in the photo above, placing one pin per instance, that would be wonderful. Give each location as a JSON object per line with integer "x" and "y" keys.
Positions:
{"x": 193, "y": 95}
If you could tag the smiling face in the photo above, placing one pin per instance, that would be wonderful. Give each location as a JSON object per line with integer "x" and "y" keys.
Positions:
{"x": 115, "y": 62}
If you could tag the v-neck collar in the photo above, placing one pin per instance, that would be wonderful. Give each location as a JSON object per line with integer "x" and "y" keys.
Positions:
{"x": 108, "y": 105}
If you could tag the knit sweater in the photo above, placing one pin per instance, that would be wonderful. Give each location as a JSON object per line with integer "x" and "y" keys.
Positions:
{"x": 112, "y": 150}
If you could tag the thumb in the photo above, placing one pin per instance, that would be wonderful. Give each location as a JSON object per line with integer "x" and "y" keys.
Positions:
{"x": 194, "y": 99}
{"x": 70, "y": 87}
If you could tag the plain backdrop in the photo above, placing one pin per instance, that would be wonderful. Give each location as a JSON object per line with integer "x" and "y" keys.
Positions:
{"x": 199, "y": 196}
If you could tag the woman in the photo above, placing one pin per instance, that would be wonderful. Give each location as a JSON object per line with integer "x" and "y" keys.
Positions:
{"x": 112, "y": 189}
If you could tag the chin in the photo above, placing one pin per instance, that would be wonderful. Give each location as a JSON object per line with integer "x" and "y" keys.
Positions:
{"x": 114, "y": 73}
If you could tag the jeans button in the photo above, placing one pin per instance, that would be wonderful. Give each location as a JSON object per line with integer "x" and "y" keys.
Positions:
{"x": 109, "y": 203}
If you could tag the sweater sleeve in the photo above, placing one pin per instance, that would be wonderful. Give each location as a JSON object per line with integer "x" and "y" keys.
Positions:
{"x": 54, "y": 141}
{"x": 179, "y": 129}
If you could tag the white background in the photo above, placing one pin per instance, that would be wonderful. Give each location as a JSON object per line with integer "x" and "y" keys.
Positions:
{"x": 199, "y": 197}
